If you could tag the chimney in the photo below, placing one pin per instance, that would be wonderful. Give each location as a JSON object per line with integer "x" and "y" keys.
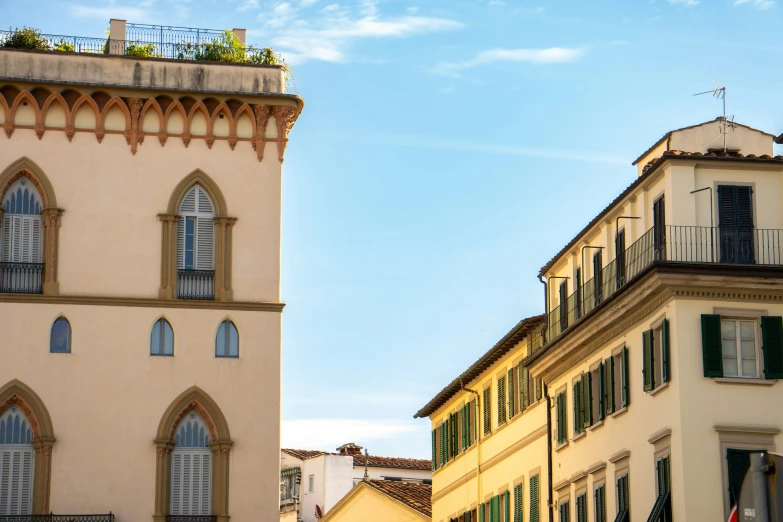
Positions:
{"x": 351, "y": 449}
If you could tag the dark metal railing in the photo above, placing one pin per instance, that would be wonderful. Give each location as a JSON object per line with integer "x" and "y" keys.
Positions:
{"x": 201, "y": 47}
{"x": 191, "y": 518}
{"x": 682, "y": 244}
{"x": 169, "y": 34}
{"x": 21, "y": 278}
{"x": 51, "y": 517}
{"x": 196, "y": 284}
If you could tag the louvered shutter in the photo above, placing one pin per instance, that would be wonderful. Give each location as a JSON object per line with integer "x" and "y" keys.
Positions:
{"x": 481, "y": 513}
{"x": 26, "y": 485}
{"x": 738, "y": 462}
{"x": 648, "y": 371}
{"x": 600, "y": 504}
{"x": 434, "y": 455}
{"x": 16, "y": 480}
{"x": 466, "y": 425}
{"x": 587, "y": 399}
{"x": 665, "y": 373}
{"x": 626, "y": 395}
{"x": 35, "y": 240}
{"x": 711, "y": 345}
{"x": 501, "y": 400}
{"x": 524, "y": 387}
{"x": 534, "y": 499}
{"x": 601, "y": 391}
{"x": 487, "y": 410}
{"x": 181, "y": 243}
{"x": 578, "y": 405}
{"x": 539, "y": 389}
{"x": 206, "y": 484}
{"x": 659, "y": 226}
{"x": 506, "y": 507}
{"x": 16, "y": 239}
{"x": 474, "y": 419}
{"x": 176, "y": 484}
{"x": 772, "y": 344}
{"x": 205, "y": 244}
{"x": 511, "y": 394}
{"x": 7, "y": 233}
{"x": 560, "y": 420}
{"x": 518, "y": 503}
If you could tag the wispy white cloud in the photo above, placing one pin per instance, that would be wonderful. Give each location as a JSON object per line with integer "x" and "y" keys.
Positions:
{"x": 496, "y": 3}
{"x": 412, "y": 10}
{"x": 139, "y": 12}
{"x": 247, "y": 5}
{"x": 326, "y": 434}
{"x": 758, "y": 4}
{"x": 534, "y": 56}
{"x": 686, "y": 3}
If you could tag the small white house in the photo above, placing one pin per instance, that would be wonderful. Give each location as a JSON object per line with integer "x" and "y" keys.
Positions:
{"x": 313, "y": 481}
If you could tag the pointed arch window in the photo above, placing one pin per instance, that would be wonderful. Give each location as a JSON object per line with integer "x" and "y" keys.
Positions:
{"x": 191, "y": 468}
{"x": 60, "y": 338}
{"x": 22, "y": 239}
{"x": 227, "y": 340}
{"x": 16, "y": 463}
{"x": 196, "y": 245}
{"x": 162, "y": 338}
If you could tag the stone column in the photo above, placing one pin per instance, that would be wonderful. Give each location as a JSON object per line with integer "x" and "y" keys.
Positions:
{"x": 241, "y": 35}
{"x": 223, "y": 258}
{"x": 164, "y": 447}
{"x": 221, "y": 456}
{"x": 42, "y": 474}
{"x": 116, "y": 43}
{"x": 51, "y": 218}
{"x": 168, "y": 263}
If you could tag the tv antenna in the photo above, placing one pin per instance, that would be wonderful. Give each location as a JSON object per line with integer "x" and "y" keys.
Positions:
{"x": 720, "y": 92}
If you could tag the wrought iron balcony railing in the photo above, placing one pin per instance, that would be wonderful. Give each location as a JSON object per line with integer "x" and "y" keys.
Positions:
{"x": 677, "y": 244}
{"x": 191, "y": 518}
{"x": 21, "y": 278}
{"x": 51, "y": 517}
{"x": 196, "y": 284}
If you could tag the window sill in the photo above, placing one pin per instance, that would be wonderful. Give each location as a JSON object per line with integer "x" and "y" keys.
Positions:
{"x": 597, "y": 425}
{"x": 746, "y": 381}
{"x": 659, "y": 389}
{"x": 619, "y": 412}
{"x": 561, "y": 446}
{"x": 578, "y": 437}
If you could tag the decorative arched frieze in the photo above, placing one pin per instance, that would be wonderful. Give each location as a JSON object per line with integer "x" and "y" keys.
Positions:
{"x": 51, "y": 215}
{"x": 284, "y": 117}
{"x": 223, "y": 237}
{"x": 16, "y": 393}
{"x": 193, "y": 399}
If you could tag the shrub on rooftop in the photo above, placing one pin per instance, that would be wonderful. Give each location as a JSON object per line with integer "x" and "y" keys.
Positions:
{"x": 27, "y": 38}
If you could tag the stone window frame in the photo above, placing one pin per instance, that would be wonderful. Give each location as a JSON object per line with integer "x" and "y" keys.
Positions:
{"x": 747, "y": 313}
{"x": 192, "y": 399}
{"x": 662, "y": 447}
{"x": 16, "y": 393}
{"x": 622, "y": 467}
{"x": 223, "y": 238}
{"x": 51, "y": 216}
{"x": 741, "y": 436}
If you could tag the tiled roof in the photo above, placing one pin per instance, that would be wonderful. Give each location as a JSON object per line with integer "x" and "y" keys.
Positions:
{"x": 523, "y": 328}
{"x": 668, "y": 135}
{"x": 304, "y": 454}
{"x": 374, "y": 461}
{"x": 647, "y": 171}
{"x": 416, "y": 496}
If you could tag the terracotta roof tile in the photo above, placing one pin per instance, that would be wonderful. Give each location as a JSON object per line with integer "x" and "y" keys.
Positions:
{"x": 416, "y": 496}
{"x": 304, "y": 454}
{"x": 375, "y": 461}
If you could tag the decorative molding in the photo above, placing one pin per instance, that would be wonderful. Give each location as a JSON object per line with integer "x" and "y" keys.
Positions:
{"x": 598, "y": 466}
{"x": 620, "y": 455}
{"x": 19, "y": 402}
{"x": 745, "y": 382}
{"x": 746, "y": 428}
{"x": 145, "y": 302}
{"x": 198, "y": 408}
{"x": 658, "y": 435}
{"x": 135, "y": 109}
{"x": 518, "y": 445}
{"x": 579, "y": 475}
{"x": 561, "y": 485}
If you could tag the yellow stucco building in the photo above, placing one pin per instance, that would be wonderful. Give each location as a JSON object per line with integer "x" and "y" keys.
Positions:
{"x": 140, "y": 285}
{"x": 654, "y": 371}
{"x": 383, "y": 501}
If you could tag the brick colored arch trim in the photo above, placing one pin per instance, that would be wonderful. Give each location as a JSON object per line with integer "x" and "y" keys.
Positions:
{"x": 51, "y": 215}
{"x": 223, "y": 238}
{"x": 192, "y": 399}
{"x": 16, "y": 393}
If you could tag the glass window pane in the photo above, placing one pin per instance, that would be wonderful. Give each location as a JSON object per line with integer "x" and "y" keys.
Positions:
{"x": 748, "y": 348}
{"x": 749, "y": 367}
{"x": 730, "y": 367}
{"x": 233, "y": 340}
{"x": 728, "y": 329}
{"x": 747, "y": 330}
{"x": 60, "y": 341}
{"x": 168, "y": 339}
{"x": 190, "y": 226}
{"x": 155, "y": 339}
{"x": 729, "y": 347}
{"x": 220, "y": 340}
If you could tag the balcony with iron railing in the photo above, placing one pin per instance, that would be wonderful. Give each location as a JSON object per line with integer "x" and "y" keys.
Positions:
{"x": 190, "y": 518}
{"x": 196, "y": 284}
{"x": 21, "y": 278}
{"x": 51, "y": 517}
{"x": 678, "y": 244}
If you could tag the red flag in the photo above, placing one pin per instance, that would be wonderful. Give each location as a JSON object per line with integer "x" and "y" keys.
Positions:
{"x": 733, "y": 515}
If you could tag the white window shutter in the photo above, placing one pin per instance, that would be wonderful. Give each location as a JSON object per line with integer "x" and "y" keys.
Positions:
{"x": 35, "y": 249}
{"x": 181, "y": 243}
{"x": 176, "y": 484}
{"x": 206, "y": 484}
{"x": 5, "y": 480}
{"x": 7, "y": 234}
{"x": 25, "y": 494}
{"x": 16, "y": 479}
{"x": 188, "y": 205}
{"x": 16, "y": 239}
{"x": 27, "y": 239}
{"x": 204, "y": 203}
{"x": 205, "y": 243}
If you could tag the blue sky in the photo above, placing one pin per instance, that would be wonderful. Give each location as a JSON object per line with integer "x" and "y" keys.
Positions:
{"x": 447, "y": 149}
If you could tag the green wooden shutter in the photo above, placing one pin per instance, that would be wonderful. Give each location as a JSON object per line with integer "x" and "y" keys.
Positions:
{"x": 454, "y": 435}
{"x": 475, "y": 419}
{"x": 601, "y": 391}
{"x": 772, "y": 344}
{"x": 561, "y": 424}
{"x": 575, "y": 404}
{"x": 465, "y": 426}
{"x": 501, "y": 400}
{"x": 665, "y": 370}
{"x": 517, "y": 503}
{"x": 444, "y": 435}
{"x": 611, "y": 405}
{"x": 507, "y": 507}
{"x": 581, "y": 508}
{"x": 524, "y": 387}
{"x": 481, "y": 513}
{"x": 587, "y": 395}
{"x": 600, "y": 504}
{"x": 648, "y": 363}
{"x": 711, "y": 345}
{"x": 434, "y": 455}
{"x": 626, "y": 395}
{"x": 534, "y": 499}
{"x": 539, "y": 389}
{"x": 487, "y": 410}
{"x": 738, "y": 462}
{"x": 511, "y": 394}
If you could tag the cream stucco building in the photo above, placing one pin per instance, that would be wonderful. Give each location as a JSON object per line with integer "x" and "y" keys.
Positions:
{"x": 655, "y": 370}
{"x": 140, "y": 286}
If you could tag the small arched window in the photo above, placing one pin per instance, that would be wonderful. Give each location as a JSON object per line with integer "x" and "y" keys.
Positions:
{"x": 162, "y": 338}
{"x": 60, "y": 340}
{"x": 22, "y": 238}
{"x": 227, "y": 340}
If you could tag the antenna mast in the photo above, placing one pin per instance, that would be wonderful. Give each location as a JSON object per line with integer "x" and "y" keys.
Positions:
{"x": 720, "y": 92}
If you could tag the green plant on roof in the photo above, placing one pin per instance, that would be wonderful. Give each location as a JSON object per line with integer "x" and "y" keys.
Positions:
{"x": 140, "y": 50}
{"x": 64, "y": 46}
{"x": 27, "y": 38}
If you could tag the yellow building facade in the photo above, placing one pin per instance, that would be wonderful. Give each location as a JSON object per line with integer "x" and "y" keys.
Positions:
{"x": 659, "y": 355}
{"x": 139, "y": 286}
{"x": 383, "y": 501}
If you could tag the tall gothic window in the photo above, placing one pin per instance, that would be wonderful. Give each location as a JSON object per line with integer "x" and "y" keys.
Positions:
{"x": 22, "y": 223}
{"x": 196, "y": 245}
{"x": 16, "y": 463}
{"x": 191, "y": 468}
